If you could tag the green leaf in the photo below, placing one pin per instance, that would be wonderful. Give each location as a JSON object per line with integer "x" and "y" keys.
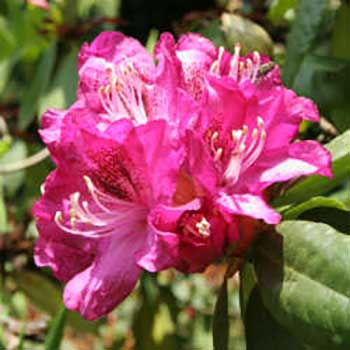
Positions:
{"x": 316, "y": 202}
{"x": 303, "y": 277}
{"x": 279, "y": 9}
{"x": 152, "y": 40}
{"x": 303, "y": 35}
{"x": 261, "y": 329}
{"x": 317, "y": 185}
{"x": 28, "y": 282}
{"x": 250, "y": 35}
{"x": 14, "y": 181}
{"x": 325, "y": 80}
{"x": 54, "y": 337}
{"x": 335, "y": 217}
{"x": 220, "y": 321}
{"x": 3, "y": 210}
{"x": 340, "y": 40}
{"x": 62, "y": 93}
{"x": 30, "y": 100}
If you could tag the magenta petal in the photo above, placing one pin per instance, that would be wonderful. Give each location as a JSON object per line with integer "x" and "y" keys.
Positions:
{"x": 115, "y": 47}
{"x": 248, "y": 205}
{"x": 162, "y": 252}
{"x": 108, "y": 281}
{"x": 301, "y": 158}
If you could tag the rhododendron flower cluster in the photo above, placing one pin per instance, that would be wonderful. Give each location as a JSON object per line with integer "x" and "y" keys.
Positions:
{"x": 159, "y": 164}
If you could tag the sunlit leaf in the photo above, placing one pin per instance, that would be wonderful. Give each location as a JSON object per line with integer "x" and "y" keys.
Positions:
{"x": 317, "y": 185}
{"x": 316, "y": 202}
{"x": 279, "y": 8}
{"x": 303, "y": 277}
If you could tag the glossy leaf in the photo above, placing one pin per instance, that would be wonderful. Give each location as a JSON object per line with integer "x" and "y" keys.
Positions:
{"x": 325, "y": 80}
{"x": 316, "y": 202}
{"x": 335, "y": 217}
{"x": 303, "y": 277}
{"x": 302, "y": 36}
{"x": 317, "y": 185}
{"x": 261, "y": 330}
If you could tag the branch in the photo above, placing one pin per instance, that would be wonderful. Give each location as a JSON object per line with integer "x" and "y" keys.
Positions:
{"x": 24, "y": 163}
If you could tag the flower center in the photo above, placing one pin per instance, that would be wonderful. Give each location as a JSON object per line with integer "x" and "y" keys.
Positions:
{"x": 122, "y": 97}
{"x": 245, "y": 148}
{"x": 194, "y": 225}
{"x": 100, "y": 216}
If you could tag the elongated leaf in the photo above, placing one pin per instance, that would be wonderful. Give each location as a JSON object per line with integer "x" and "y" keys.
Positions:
{"x": 335, "y": 217}
{"x": 54, "y": 337}
{"x": 317, "y": 185}
{"x": 220, "y": 321}
{"x": 303, "y": 35}
{"x": 303, "y": 277}
{"x": 316, "y": 202}
{"x": 62, "y": 91}
{"x": 341, "y": 30}
{"x": 40, "y": 82}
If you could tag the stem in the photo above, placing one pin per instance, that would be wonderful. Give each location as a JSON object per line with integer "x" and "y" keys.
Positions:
{"x": 24, "y": 163}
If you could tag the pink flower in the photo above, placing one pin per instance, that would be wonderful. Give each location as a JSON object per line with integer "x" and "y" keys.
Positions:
{"x": 162, "y": 165}
{"x": 243, "y": 140}
{"x": 118, "y": 79}
{"x": 40, "y": 3}
{"x": 94, "y": 215}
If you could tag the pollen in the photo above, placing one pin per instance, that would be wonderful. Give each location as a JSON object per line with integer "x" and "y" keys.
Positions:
{"x": 203, "y": 227}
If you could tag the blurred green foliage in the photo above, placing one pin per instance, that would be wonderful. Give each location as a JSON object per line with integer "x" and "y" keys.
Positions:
{"x": 38, "y": 53}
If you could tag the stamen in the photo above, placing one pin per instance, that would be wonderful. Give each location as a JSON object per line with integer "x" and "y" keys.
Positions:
{"x": 213, "y": 139}
{"x": 234, "y": 63}
{"x": 108, "y": 214}
{"x": 218, "y": 154}
{"x": 245, "y": 150}
{"x": 215, "y": 67}
{"x": 122, "y": 97}
{"x": 203, "y": 227}
{"x": 257, "y": 62}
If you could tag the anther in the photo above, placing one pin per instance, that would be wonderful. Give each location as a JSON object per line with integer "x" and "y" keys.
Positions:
{"x": 218, "y": 154}
{"x": 203, "y": 227}
{"x": 260, "y": 122}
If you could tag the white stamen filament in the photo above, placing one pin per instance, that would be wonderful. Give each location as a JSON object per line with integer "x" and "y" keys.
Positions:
{"x": 215, "y": 67}
{"x": 123, "y": 95}
{"x": 108, "y": 213}
{"x": 245, "y": 151}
